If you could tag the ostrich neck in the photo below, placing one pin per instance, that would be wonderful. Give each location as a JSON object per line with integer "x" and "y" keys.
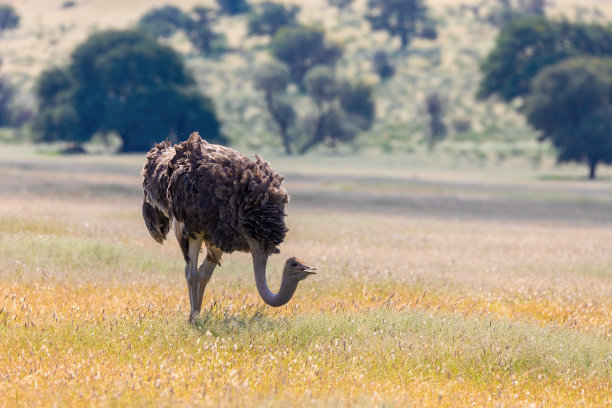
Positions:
{"x": 287, "y": 287}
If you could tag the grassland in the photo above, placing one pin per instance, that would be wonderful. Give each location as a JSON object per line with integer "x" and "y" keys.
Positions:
{"x": 438, "y": 286}
{"x": 477, "y": 275}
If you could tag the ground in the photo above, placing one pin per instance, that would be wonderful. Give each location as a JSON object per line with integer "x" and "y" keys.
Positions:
{"x": 438, "y": 285}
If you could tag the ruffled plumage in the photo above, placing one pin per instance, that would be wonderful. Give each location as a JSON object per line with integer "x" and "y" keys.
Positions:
{"x": 215, "y": 192}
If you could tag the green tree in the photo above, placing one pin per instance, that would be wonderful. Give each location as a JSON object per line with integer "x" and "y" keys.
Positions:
{"x": 571, "y": 104}
{"x": 56, "y": 118}
{"x": 435, "y": 106}
{"x": 9, "y": 18}
{"x": 272, "y": 78}
{"x": 271, "y": 17}
{"x": 405, "y": 19}
{"x": 382, "y": 66}
{"x": 7, "y": 93}
{"x": 506, "y": 10}
{"x": 525, "y": 46}
{"x": 357, "y": 101}
{"x": 164, "y": 21}
{"x": 201, "y": 34}
{"x": 340, "y": 4}
{"x": 123, "y": 82}
{"x": 233, "y": 7}
{"x": 343, "y": 109}
{"x": 301, "y": 48}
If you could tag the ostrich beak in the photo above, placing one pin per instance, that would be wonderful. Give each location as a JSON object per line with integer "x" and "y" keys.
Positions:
{"x": 309, "y": 270}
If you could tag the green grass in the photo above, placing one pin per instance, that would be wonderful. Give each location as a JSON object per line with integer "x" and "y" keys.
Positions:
{"x": 377, "y": 344}
{"x": 74, "y": 256}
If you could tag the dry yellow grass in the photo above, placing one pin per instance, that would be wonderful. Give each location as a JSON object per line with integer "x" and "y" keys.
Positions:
{"x": 435, "y": 289}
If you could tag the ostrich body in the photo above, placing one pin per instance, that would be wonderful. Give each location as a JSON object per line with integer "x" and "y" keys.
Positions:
{"x": 214, "y": 195}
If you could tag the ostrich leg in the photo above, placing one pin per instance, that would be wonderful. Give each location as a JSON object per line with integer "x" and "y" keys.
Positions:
{"x": 191, "y": 273}
{"x": 205, "y": 271}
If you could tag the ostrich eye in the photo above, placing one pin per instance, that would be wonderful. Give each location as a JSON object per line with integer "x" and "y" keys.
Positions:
{"x": 294, "y": 264}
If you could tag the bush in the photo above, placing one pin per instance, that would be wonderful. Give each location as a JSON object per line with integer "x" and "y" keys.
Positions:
{"x": 381, "y": 65}
{"x": 233, "y": 7}
{"x": 271, "y": 18}
{"x": 9, "y": 18}
{"x": 340, "y": 4}
{"x": 462, "y": 125}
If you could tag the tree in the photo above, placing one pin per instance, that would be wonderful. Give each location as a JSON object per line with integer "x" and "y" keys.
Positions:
{"x": 435, "y": 106}
{"x": 301, "y": 48}
{"x": 233, "y": 7}
{"x": 342, "y": 109}
{"x": 200, "y": 32}
{"x": 357, "y": 101}
{"x": 271, "y": 18}
{"x": 340, "y": 4}
{"x": 401, "y": 18}
{"x": 164, "y": 21}
{"x": 534, "y": 7}
{"x": 7, "y": 93}
{"x": 123, "y": 82}
{"x": 525, "y": 46}
{"x": 507, "y": 10}
{"x": 9, "y": 18}
{"x": 57, "y": 118}
{"x": 272, "y": 78}
{"x": 382, "y": 66}
{"x": 571, "y": 104}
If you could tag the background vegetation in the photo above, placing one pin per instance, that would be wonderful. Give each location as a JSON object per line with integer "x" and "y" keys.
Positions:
{"x": 450, "y": 42}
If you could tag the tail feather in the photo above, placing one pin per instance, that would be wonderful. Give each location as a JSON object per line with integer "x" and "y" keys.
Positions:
{"x": 157, "y": 222}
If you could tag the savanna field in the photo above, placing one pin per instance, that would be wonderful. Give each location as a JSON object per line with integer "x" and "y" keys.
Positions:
{"x": 436, "y": 287}
{"x": 473, "y": 273}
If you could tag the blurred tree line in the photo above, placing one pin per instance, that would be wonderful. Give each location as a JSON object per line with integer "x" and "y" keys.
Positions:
{"x": 9, "y": 20}
{"x": 556, "y": 72}
{"x": 559, "y": 74}
{"x": 129, "y": 84}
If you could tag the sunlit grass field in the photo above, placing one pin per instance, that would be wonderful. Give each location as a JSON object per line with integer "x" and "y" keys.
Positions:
{"x": 438, "y": 285}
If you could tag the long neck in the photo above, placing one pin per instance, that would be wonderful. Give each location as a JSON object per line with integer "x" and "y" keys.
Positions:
{"x": 286, "y": 290}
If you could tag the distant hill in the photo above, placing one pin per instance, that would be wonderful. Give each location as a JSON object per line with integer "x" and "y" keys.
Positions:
{"x": 449, "y": 65}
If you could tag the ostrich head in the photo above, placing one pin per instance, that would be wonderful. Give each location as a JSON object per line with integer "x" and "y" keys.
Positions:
{"x": 295, "y": 271}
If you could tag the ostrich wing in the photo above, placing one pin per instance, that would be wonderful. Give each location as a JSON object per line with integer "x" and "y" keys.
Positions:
{"x": 157, "y": 222}
{"x": 155, "y": 183}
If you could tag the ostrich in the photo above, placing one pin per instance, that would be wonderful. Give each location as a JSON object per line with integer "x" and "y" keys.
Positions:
{"x": 214, "y": 195}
